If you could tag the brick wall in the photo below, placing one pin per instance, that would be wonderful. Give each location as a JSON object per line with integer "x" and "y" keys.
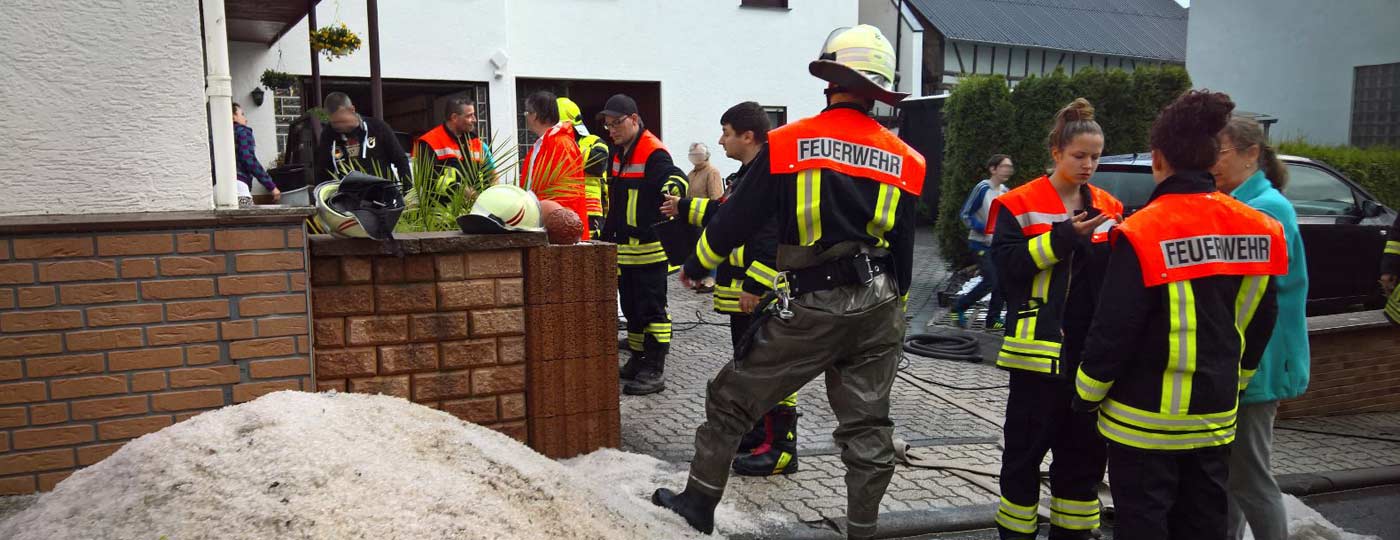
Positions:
{"x": 444, "y": 329}
{"x": 1353, "y": 371}
{"x": 105, "y": 337}
{"x": 572, "y": 346}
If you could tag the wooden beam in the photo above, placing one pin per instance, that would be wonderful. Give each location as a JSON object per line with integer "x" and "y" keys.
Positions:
{"x": 974, "y": 58}
{"x": 958, "y": 53}
{"x": 316, "y": 95}
{"x": 1026, "y": 65}
{"x": 376, "y": 81}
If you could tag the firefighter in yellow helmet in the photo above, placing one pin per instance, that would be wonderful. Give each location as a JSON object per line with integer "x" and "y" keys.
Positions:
{"x": 843, "y": 190}
{"x": 595, "y": 166}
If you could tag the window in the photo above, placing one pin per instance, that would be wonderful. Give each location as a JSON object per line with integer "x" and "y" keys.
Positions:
{"x": 781, "y": 4}
{"x": 777, "y": 116}
{"x": 1375, "y": 105}
{"x": 1131, "y": 186}
{"x": 1315, "y": 192}
{"x": 286, "y": 103}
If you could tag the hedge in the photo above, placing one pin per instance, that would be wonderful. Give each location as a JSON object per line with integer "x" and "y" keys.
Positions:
{"x": 983, "y": 118}
{"x": 977, "y": 118}
{"x": 1376, "y": 168}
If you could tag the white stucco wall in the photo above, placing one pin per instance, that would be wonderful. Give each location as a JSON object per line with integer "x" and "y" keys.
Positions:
{"x": 1291, "y": 59}
{"x": 908, "y": 35}
{"x": 707, "y": 55}
{"x": 103, "y": 108}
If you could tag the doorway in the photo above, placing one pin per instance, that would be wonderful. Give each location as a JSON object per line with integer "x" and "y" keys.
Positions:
{"x": 591, "y": 96}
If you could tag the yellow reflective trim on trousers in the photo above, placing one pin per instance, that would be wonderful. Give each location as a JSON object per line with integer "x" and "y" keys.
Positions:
{"x": 1181, "y": 348}
{"x": 885, "y": 202}
{"x": 634, "y": 340}
{"x": 790, "y": 401}
{"x": 1089, "y": 388}
{"x": 1040, "y": 286}
{"x": 809, "y": 199}
{"x": 707, "y": 256}
{"x": 696, "y": 216}
{"x": 639, "y": 254}
{"x": 1041, "y": 252}
{"x": 1392, "y": 305}
{"x": 660, "y": 331}
{"x": 632, "y": 207}
{"x": 736, "y": 257}
{"x": 1074, "y": 515}
{"x": 1392, "y": 247}
{"x": 763, "y": 274}
{"x": 1016, "y": 517}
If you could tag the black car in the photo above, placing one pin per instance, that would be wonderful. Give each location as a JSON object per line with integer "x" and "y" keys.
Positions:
{"x": 1344, "y": 227}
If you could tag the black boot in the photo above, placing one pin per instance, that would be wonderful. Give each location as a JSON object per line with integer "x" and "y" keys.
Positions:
{"x": 756, "y": 435}
{"x": 697, "y": 509}
{"x": 634, "y": 364}
{"x": 778, "y": 453}
{"x": 651, "y": 378}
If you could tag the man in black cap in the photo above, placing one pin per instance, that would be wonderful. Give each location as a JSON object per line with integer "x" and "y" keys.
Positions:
{"x": 641, "y": 171}
{"x": 843, "y": 190}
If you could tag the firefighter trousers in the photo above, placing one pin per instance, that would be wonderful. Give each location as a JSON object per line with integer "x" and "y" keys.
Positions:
{"x": 1169, "y": 495}
{"x": 852, "y": 334}
{"x": 1039, "y": 420}
{"x": 642, "y": 290}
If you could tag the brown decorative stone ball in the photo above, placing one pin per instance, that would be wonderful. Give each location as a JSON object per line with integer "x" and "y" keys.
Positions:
{"x": 563, "y": 226}
{"x": 547, "y": 207}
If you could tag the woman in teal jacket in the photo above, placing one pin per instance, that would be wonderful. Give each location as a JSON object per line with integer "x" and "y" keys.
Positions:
{"x": 1250, "y": 171}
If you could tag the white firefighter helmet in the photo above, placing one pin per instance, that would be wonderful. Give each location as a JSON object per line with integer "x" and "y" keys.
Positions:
{"x": 502, "y": 208}
{"x": 860, "y": 60}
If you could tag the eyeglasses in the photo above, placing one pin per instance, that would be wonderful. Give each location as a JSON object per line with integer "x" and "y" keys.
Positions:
{"x": 1234, "y": 149}
{"x": 614, "y": 124}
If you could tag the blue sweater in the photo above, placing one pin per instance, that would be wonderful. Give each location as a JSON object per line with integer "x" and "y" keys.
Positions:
{"x": 1283, "y": 371}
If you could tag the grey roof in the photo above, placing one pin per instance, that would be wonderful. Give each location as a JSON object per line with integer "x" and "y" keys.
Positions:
{"x": 1154, "y": 29}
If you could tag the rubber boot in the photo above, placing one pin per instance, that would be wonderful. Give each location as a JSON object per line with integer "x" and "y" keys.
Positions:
{"x": 634, "y": 364}
{"x": 698, "y": 509}
{"x": 650, "y": 378}
{"x": 756, "y": 435}
{"x": 778, "y": 453}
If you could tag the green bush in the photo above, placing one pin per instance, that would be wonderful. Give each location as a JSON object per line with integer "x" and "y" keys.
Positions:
{"x": 1035, "y": 101}
{"x": 1376, "y": 168}
{"x": 1115, "y": 108}
{"x": 1154, "y": 88}
{"x": 977, "y": 116}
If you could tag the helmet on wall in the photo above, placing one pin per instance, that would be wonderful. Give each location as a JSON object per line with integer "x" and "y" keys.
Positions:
{"x": 860, "y": 60}
{"x": 359, "y": 206}
{"x": 502, "y": 208}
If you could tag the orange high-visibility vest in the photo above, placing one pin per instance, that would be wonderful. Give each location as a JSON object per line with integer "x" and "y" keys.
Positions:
{"x": 636, "y": 166}
{"x": 1037, "y": 207}
{"x": 445, "y": 146}
{"x": 1180, "y": 237}
{"x": 849, "y": 142}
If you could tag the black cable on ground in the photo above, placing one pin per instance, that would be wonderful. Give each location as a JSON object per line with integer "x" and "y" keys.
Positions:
{"x": 905, "y": 364}
{"x": 1337, "y": 434}
{"x": 943, "y": 347}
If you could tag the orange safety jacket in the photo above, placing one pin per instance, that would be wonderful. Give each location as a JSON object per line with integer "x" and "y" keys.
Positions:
{"x": 445, "y": 146}
{"x": 634, "y": 200}
{"x": 1194, "y": 311}
{"x": 553, "y": 170}
{"x": 1036, "y": 252}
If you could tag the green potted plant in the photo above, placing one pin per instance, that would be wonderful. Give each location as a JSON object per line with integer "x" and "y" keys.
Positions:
{"x": 334, "y": 41}
{"x": 277, "y": 80}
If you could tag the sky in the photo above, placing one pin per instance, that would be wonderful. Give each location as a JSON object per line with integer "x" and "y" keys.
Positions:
{"x": 1184, "y": 3}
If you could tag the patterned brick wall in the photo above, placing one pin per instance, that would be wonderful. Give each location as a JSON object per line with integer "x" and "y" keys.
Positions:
{"x": 1353, "y": 371}
{"x": 572, "y": 346}
{"x": 105, "y": 337}
{"x": 445, "y": 329}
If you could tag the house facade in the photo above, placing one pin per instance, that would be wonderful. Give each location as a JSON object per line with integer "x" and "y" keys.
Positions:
{"x": 685, "y": 62}
{"x": 1329, "y": 72}
{"x": 1018, "y": 39}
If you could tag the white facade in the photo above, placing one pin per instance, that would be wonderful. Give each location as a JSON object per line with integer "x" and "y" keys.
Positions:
{"x": 103, "y": 108}
{"x": 1291, "y": 59}
{"x": 908, "y": 37}
{"x": 706, "y": 55}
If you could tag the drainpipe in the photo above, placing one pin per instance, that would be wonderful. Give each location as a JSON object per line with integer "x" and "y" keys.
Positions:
{"x": 219, "y": 90}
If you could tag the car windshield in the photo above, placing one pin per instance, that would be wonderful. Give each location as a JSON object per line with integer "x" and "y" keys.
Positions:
{"x": 1132, "y": 187}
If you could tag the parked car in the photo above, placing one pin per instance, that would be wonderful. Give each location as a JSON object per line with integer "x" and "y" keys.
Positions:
{"x": 1344, "y": 227}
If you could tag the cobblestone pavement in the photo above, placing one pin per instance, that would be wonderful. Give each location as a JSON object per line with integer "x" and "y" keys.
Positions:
{"x": 943, "y": 422}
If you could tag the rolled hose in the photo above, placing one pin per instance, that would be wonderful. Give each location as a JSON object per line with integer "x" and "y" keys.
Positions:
{"x": 943, "y": 346}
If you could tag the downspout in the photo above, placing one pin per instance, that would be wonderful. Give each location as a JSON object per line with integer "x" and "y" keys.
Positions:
{"x": 219, "y": 91}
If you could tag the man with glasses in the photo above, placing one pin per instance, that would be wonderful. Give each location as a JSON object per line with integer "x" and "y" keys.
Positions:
{"x": 641, "y": 171}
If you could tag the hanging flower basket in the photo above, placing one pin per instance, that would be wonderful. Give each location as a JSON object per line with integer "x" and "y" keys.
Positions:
{"x": 335, "y": 41}
{"x": 277, "y": 80}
